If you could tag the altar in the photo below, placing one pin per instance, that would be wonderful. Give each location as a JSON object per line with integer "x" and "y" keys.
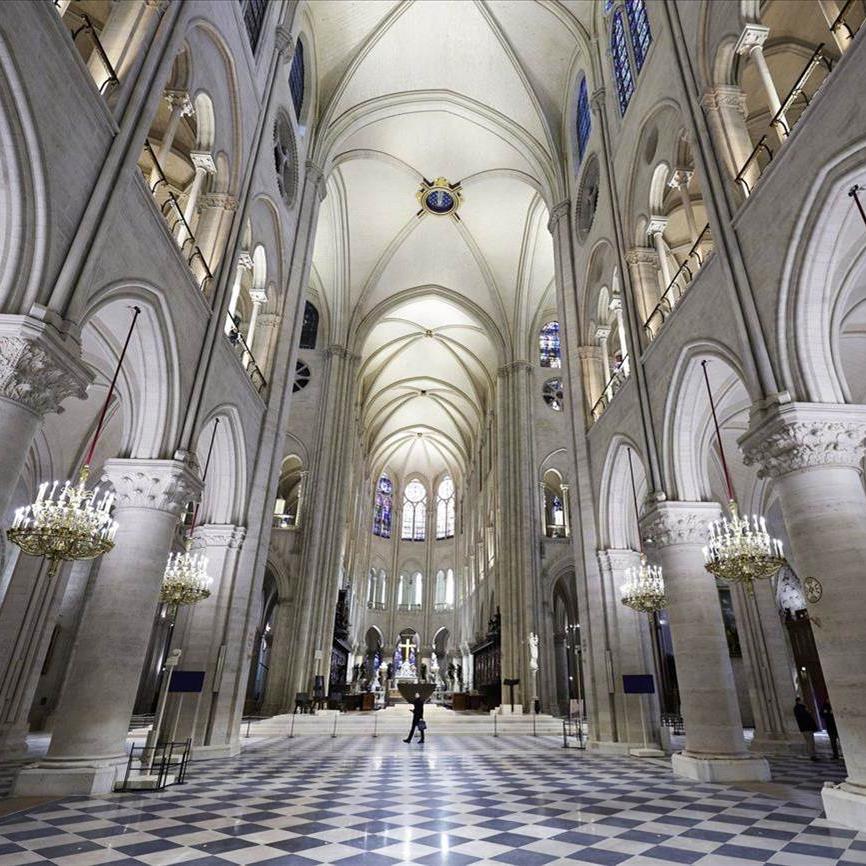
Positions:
{"x": 405, "y": 660}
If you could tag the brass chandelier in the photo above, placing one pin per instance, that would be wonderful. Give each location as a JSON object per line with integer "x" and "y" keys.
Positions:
{"x": 740, "y": 550}
{"x": 68, "y": 523}
{"x": 186, "y": 580}
{"x": 644, "y": 587}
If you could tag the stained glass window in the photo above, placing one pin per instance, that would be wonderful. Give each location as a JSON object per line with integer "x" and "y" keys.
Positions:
{"x": 254, "y": 12}
{"x": 621, "y": 64}
{"x": 584, "y": 119}
{"x": 414, "y": 511}
{"x": 382, "y": 507}
{"x": 608, "y": 5}
{"x": 638, "y": 25}
{"x": 552, "y": 394}
{"x": 549, "y": 351}
{"x": 310, "y": 327}
{"x": 296, "y": 79}
{"x": 445, "y": 509}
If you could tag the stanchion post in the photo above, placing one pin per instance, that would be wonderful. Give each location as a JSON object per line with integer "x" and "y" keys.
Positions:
{"x": 292, "y": 728}
{"x": 495, "y": 731}
{"x": 334, "y": 732}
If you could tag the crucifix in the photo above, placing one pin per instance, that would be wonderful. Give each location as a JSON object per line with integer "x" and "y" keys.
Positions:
{"x": 407, "y": 645}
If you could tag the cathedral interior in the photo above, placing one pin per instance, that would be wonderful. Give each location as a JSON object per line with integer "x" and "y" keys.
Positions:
{"x": 491, "y": 367}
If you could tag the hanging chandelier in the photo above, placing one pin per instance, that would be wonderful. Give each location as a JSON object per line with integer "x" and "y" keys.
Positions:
{"x": 644, "y": 587}
{"x": 68, "y": 523}
{"x": 185, "y": 580}
{"x": 740, "y": 550}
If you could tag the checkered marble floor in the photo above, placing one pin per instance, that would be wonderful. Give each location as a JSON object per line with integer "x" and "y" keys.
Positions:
{"x": 455, "y": 800}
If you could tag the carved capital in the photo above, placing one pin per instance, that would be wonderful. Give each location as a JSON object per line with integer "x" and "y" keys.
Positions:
{"x": 179, "y": 99}
{"x": 558, "y": 212}
{"x": 680, "y": 177}
{"x": 641, "y": 256}
{"x": 615, "y": 561}
{"x": 203, "y": 160}
{"x": 753, "y": 36}
{"x": 220, "y": 535}
{"x": 589, "y": 353}
{"x": 726, "y": 97}
{"x": 221, "y": 200}
{"x": 799, "y": 436}
{"x": 669, "y": 523}
{"x": 513, "y": 367}
{"x": 161, "y": 485}
{"x": 258, "y": 296}
{"x": 597, "y": 100}
{"x": 39, "y": 367}
{"x": 316, "y": 177}
{"x": 245, "y": 261}
{"x": 657, "y": 225}
{"x": 602, "y": 333}
{"x": 269, "y": 320}
{"x": 284, "y": 43}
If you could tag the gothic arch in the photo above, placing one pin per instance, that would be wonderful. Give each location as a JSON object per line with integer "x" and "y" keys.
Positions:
{"x": 617, "y": 524}
{"x": 224, "y": 496}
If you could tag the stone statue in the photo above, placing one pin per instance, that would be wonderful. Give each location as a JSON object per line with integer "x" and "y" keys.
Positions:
{"x": 533, "y": 651}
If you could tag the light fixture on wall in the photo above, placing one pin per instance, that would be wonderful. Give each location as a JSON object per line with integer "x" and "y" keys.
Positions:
{"x": 186, "y": 580}
{"x": 740, "y": 550}
{"x": 67, "y": 523}
{"x": 644, "y": 587}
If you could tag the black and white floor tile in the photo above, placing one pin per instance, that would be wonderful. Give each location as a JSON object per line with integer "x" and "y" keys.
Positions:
{"x": 451, "y": 802}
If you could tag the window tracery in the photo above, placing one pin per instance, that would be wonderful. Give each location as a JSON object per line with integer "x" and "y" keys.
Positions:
{"x": 549, "y": 348}
{"x": 414, "y": 512}
{"x": 445, "y": 509}
{"x": 584, "y": 119}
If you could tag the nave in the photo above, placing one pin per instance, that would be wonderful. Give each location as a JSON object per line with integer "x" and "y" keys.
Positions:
{"x": 457, "y": 800}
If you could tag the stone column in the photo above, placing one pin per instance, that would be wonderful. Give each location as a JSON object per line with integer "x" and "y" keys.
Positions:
{"x": 566, "y": 510}
{"x": 258, "y": 297}
{"x": 814, "y": 454}
{"x": 643, "y": 266}
{"x": 592, "y": 373}
{"x": 211, "y": 629}
{"x": 679, "y": 181}
{"x": 656, "y": 230}
{"x": 88, "y": 744}
{"x": 602, "y": 334}
{"x": 204, "y": 165}
{"x": 715, "y": 747}
{"x": 180, "y": 106}
{"x": 245, "y": 263}
{"x": 631, "y": 651}
{"x": 216, "y": 211}
{"x": 616, "y": 309}
{"x": 40, "y": 367}
{"x": 751, "y": 44}
{"x": 725, "y": 109}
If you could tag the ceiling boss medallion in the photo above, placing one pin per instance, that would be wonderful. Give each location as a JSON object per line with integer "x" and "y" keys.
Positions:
{"x": 440, "y": 197}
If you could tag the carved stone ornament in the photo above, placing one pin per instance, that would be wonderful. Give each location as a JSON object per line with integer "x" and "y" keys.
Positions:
{"x": 36, "y": 369}
{"x": 721, "y": 98}
{"x": 679, "y": 523}
{"x": 220, "y": 535}
{"x": 163, "y": 485}
{"x": 802, "y": 436}
{"x": 813, "y": 590}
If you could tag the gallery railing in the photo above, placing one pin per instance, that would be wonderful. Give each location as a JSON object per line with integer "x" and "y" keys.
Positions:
{"x": 242, "y": 350}
{"x": 611, "y": 387}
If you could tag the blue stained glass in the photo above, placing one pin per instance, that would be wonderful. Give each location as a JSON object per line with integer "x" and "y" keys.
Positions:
{"x": 440, "y": 201}
{"x": 584, "y": 119}
{"x": 549, "y": 350}
{"x": 296, "y": 79}
{"x": 382, "y": 507}
{"x": 608, "y": 5}
{"x": 621, "y": 64}
{"x": 638, "y": 25}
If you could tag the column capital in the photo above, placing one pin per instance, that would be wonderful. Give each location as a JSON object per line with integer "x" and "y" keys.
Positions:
{"x": 221, "y": 200}
{"x": 617, "y": 559}
{"x": 597, "y": 99}
{"x": 590, "y": 353}
{"x": 753, "y": 36}
{"x": 794, "y": 436}
{"x": 513, "y": 367}
{"x": 669, "y": 523}
{"x": 179, "y": 99}
{"x": 641, "y": 256}
{"x": 725, "y": 96}
{"x": 284, "y": 42}
{"x": 159, "y": 485}
{"x": 245, "y": 260}
{"x": 315, "y": 175}
{"x": 203, "y": 159}
{"x": 557, "y": 212}
{"x": 258, "y": 296}
{"x": 602, "y": 332}
{"x": 657, "y": 224}
{"x": 220, "y": 535}
{"x": 39, "y": 366}
{"x": 680, "y": 177}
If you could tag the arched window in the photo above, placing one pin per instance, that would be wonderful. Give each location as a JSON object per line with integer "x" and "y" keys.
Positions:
{"x": 310, "y": 327}
{"x": 549, "y": 351}
{"x": 444, "y": 593}
{"x": 296, "y": 79}
{"x": 382, "y": 507}
{"x": 254, "y": 12}
{"x": 584, "y": 119}
{"x": 621, "y": 63}
{"x": 414, "y": 512}
{"x": 410, "y": 591}
{"x": 382, "y": 597}
{"x": 639, "y": 28}
{"x": 445, "y": 509}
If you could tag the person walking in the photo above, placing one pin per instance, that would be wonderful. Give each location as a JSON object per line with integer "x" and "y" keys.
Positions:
{"x": 807, "y": 727}
{"x": 829, "y": 721}
{"x": 417, "y": 719}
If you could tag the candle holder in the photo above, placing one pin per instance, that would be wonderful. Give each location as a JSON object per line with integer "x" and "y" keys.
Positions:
{"x": 186, "y": 580}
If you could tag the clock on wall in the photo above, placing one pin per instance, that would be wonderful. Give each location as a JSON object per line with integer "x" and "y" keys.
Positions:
{"x": 440, "y": 197}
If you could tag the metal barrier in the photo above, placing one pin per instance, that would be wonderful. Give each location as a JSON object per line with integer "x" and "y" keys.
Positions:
{"x": 168, "y": 762}
{"x": 573, "y": 729}
{"x": 611, "y": 387}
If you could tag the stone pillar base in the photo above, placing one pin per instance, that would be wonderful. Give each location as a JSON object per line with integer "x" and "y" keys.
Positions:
{"x": 637, "y": 750}
{"x": 13, "y": 741}
{"x": 721, "y": 768}
{"x": 65, "y": 777}
{"x": 507, "y": 710}
{"x": 208, "y": 753}
{"x": 792, "y": 746}
{"x": 845, "y": 804}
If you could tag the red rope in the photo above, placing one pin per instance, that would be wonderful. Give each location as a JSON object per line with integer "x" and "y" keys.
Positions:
{"x": 728, "y": 483}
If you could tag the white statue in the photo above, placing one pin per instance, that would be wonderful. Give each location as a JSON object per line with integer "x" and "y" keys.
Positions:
{"x": 533, "y": 652}
{"x": 434, "y": 664}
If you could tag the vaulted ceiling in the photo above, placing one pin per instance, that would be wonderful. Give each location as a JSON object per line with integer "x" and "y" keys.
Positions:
{"x": 474, "y": 91}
